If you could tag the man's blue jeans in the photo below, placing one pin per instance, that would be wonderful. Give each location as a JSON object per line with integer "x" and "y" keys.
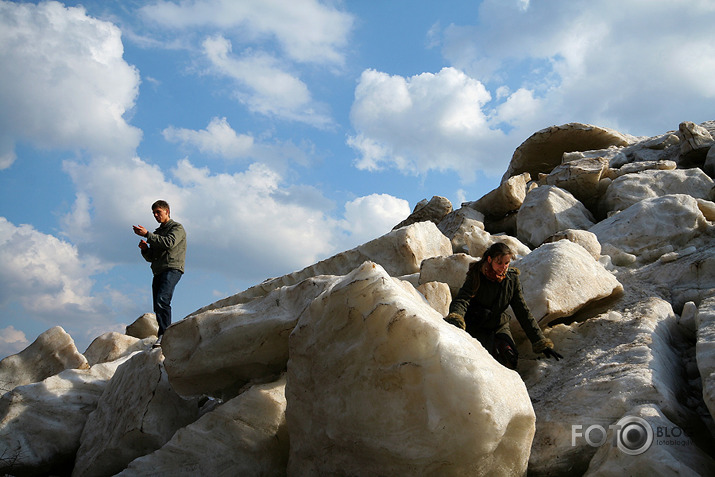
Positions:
{"x": 162, "y": 287}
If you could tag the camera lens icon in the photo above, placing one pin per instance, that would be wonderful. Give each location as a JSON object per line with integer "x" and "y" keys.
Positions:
{"x": 634, "y": 435}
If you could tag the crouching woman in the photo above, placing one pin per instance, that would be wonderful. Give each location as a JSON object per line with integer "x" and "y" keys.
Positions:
{"x": 480, "y": 307}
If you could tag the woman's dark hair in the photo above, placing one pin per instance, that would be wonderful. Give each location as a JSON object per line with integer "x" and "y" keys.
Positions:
{"x": 497, "y": 249}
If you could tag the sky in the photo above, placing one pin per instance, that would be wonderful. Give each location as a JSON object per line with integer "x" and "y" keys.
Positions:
{"x": 284, "y": 132}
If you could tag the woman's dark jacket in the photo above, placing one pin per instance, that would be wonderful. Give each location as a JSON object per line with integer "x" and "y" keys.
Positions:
{"x": 480, "y": 307}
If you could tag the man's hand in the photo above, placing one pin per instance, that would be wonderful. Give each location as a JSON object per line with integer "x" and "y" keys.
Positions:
{"x": 143, "y": 245}
{"x": 140, "y": 230}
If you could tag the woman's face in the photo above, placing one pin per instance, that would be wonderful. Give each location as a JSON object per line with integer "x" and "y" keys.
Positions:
{"x": 499, "y": 264}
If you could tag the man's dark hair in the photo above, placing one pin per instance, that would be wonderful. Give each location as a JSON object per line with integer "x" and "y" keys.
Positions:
{"x": 161, "y": 204}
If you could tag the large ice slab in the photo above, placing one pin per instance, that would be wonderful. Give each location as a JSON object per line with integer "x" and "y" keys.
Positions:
{"x": 381, "y": 380}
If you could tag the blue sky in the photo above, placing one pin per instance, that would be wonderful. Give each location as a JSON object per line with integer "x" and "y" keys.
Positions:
{"x": 282, "y": 133}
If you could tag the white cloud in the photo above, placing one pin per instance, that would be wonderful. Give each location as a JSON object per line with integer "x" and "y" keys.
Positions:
{"x": 461, "y": 197}
{"x": 42, "y": 272}
{"x": 307, "y": 30}
{"x": 250, "y": 223}
{"x": 45, "y": 281}
{"x": 111, "y": 197}
{"x": 523, "y": 4}
{"x": 425, "y": 122}
{"x": 12, "y": 341}
{"x": 221, "y": 140}
{"x": 264, "y": 85}
{"x": 7, "y": 151}
{"x": 519, "y": 107}
{"x": 372, "y": 216}
{"x": 218, "y": 138}
{"x": 625, "y": 65}
{"x": 63, "y": 82}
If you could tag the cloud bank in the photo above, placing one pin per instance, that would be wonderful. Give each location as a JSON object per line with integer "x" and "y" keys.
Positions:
{"x": 627, "y": 66}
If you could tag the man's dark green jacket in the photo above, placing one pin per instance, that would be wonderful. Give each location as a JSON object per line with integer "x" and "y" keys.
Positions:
{"x": 167, "y": 247}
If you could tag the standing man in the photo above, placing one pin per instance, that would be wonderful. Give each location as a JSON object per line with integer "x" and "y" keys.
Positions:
{"x": 165, "y": 249}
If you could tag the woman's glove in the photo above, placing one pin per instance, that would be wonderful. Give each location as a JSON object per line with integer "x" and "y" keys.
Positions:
{"x": 550, "y": 353}
{"x": 546, "y": 346}
{"x": 456, "y": 320}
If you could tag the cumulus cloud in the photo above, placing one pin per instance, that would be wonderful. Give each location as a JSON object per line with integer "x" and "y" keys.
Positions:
{"x": 218, "y": 138}
{"x": 46, "y": 280}
{"x": 63, "y": 82}
{"x": 12, "y": 341}
{"x": 519, "y": 107}
{"x": 43, "y": 272}
{"x": 372, "y": 216}
{"x": 425, "y": 122}
{"x": 103, "y": 213}
{"x": 251, "y": 222}
{"x": 623, "y": 65}
{"x": 307, "y": 30}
